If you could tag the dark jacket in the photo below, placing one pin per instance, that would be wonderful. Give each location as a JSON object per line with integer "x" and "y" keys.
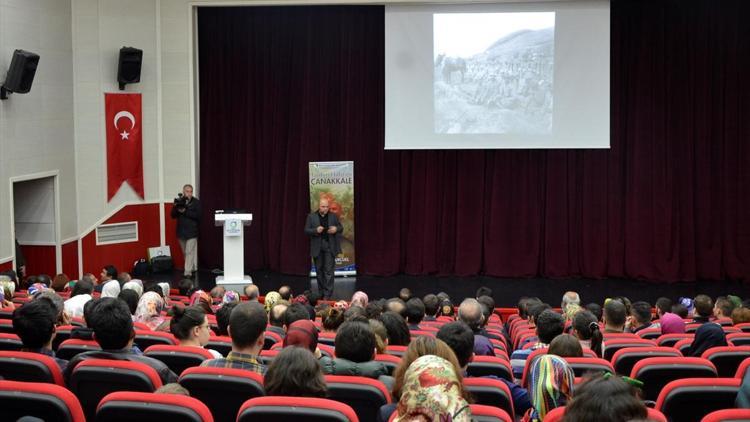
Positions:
{"x": 187, "y": 222}
{"x": 707, "y": 336}
{"x": 334, "y": 242}
{"x": 163, "y": 370}
{"x": 339, "y": 366}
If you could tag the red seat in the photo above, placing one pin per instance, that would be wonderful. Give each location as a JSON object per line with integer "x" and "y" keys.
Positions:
{"x": 557, "y": 414}
{"x": 390, "y": 361}
{"x": 178, "y": 358}
{"x": 147, "y": 338}
{"x": 222, "y": 344}
{"x": 744, "y": 327}
{"x": 649, "y": 333}
{"x": 624, "y": 359}
{"x": 727, "y": 358}
{"x": 295, "y": 409}
{"x": 619, "y": 336}
{"x": 657, "y": 372}
{"x": 267, "y": 356}
{"x": 728, "y": 415}
{"x": 490, "y": 392}
{"x": 48, "y": 402}
{"x": 93, "y": 379}
{"x": 481, "y": 413}
{"x": 612, "y": 345}
{"x": 724, "y": 322}
{"x": 126, "y": 406}
{"x": 421, "y": 333}
{"x": 684, "y": 345}
{"x": 327, "y": 338}
{"x": 62, "y": 333}
{"x": 690, "y": 399}
{"x": 669, "y": 340}
{"x": 6, "y": 326}
{"x": 223, "y": 390}
{"x": 742, "y": 369}
{"x": 10, "y": 342}
{"x": 739, "y": 339}
{"x": 364, "y": 395}
{"x": 271, "y": 338}
{"x": 71, "y": 347}
{"x": 30, "y": 367}
{"x": 395, "y": 350}
{"x": 692, "y": 327}
{"x": 583, "y": 366}
{"x": 588, "y": 353}
{"x": 482, "y": 366}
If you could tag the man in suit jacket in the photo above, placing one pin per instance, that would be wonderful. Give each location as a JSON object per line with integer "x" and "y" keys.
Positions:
{"x": 324, "y": 229}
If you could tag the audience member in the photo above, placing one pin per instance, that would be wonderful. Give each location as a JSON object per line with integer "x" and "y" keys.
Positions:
{"x": 404, "y": 294}
{"x": 246, "y": 326}
{"x": 381, "y": 335}
{"x": 61, "y": 317}
{"x": 595, "y": 309}
{"x": 302, "y": 333}
{"x": 373, "y": 310}
{"x": 130, "y": 297}
{"x": 186, "y": 286}
{"x": 113, "y": 330}
{"x": 60, "y": 282}
{"x": 470, "y": 313}
{"x": 570, "y": 298}
{"x": 134, "y": 285}
{"x": 203, "y": 300}
{"x": 360, "y": 298}
{"x": 414, "y": 313}
{"x": 34, "y": 324}
{"x": 663, "y": 306}
{"x": 550, "y": 385}
{"x": 740, "y": 315}
{"x": 446, "y": 308}
{"x": 605, "y": 399}
{"x": 483, "y": 291}
{"x": 355, "y": 350}
{"x": 615, "y": 316}
{"x": 271, "y": 299}
{"x": 149, "y": 310}
{"x": 423, "y": 346}
{"x": 549, "y": 325}
{"x": 295, "y": 372}
{"x": 276, "y": 319}
{"x": 230, "y": 297}
{"x": 441, "y": 399}
{"x": 109, "y": 272}
{"x": 78, "y": 297}
{"x": 586, "y": 329}
{"x": 87, "y": 332}
{"x": 355, "y": 313}
{"x": 681, "y": 310}
{"x": 172, "y": 388}
{"x": 123, "y": 278}
{"x": 708, "y": 335}
{"x": 295, "y": 312}
{"x": 704, "y": 309}
{"x": 217, "y": 293}
{"x": 431, "y": 307}
{"x": 566, "y": 346}
{"x": 640, "y": 313}
{"x": 111, "y": 289}
{"x": 723, "y": 307}
{"x": 252, "y": 293}
{"x": 286, "y": 293}
{"x": 222, "y": 318}
{"x": 396, "y": 305}
{"x": 398, "y": 331}
{"x": 332, "y": 318}
{"x": 671, "y": 324}
{"x": 190, "y": 326}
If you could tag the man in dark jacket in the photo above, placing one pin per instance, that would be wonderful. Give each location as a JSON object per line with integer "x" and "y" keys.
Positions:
{"x": 188, "y": 215}
{"x": 324, "y": 230}
{"x": 355, "y": 353}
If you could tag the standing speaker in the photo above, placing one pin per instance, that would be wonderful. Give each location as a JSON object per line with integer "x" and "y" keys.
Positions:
{"x": 129, "y": 66}
{"x": 21, "y": 73}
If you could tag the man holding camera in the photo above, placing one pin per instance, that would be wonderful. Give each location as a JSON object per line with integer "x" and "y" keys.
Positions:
{"x": 324, "y": 229}
{"x": 187, "y": 211}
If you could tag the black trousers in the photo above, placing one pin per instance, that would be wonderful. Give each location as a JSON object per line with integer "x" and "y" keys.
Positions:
{"x": 324, "y": 265}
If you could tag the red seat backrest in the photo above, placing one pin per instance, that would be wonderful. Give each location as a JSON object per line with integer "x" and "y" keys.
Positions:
{"x": 118, "y": 403}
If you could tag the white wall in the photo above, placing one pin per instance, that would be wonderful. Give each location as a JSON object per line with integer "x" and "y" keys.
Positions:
{"x": 36, "y": 129}
{"x": 34, "y": 209}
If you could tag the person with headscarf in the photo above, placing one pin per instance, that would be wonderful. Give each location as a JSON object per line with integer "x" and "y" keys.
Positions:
{"x": 303, "y": 333}
{"x": 164, "y": 289}
{"x": 111, "y": 289}
{"x": 272, "y": 298}
{"x": 432, "y": 391}
{"x": 359, "y": 298}
{"x": 671, "y": 324}
{"x": 36, "y": 288}
{"x": 230, "y": 296}
{"x": 134, "y": 286}
{"x": 149, "y": 310}
{"x": 81, "y": 294}
{"x": 550, "y": 386}
{"x": 707, "y": 336}
{"x": 203, "y": 300}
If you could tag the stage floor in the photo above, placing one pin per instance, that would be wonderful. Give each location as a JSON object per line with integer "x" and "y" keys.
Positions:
{"x": 506, "y": 291}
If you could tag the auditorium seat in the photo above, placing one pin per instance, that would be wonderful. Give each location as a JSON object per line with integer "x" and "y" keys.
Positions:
{"x": 10, "y": 342}
{"x": 730, "y": 330}
{"x": 48, "y": 402}
{"x": 178, "y": 358}
{"x": 669, "y": 340}
{"x": 326, "y": 350}
{"x": 619, "y": 336}
{"x": 490, "y": 392}
{"x": 6, "y": 326}
{"x": 71, "y": 347}
{"x": 127, "y": 406}
{"x": 364, "y": 395}
{"x": 421, "y": 333}
{"x": 395, "y": 350}
{"x": 222, "y": 344}
{"x": 728, "y": 415}
{"x": 30, "y": 367}
{"x": 690, "y": 399}
{"x": 557, "y": 415}
{"x": 482, "y": 413}
{"x": 584, "y": 366}
{"x": 482, "y": 366}
{"x": 683, "y": 346}
{"x": 742, "y": 369}
{"x": 147, "y": 338}
{"x": 724, "y": 322}
{"x": 692, "y": 327}
{"x": 727, "y": 358}
{"x": 327, "y": 338}
{"x": 390, "y": 361}
{"x": 267, "y": 356}
{"x": 223, "y": 390}
{"x": 744, "y": 327}
{"x": 93, "y": 379}
{"x": 624, "y": 359}
{"x": 271, "y": 338}
{"x": 649, "y": 333}
{"x": 295, "y": 409}
{"x": 612, "y": 345}
{"x": 657, "y": 372}
{"x": 739, "y": 339}
{"x": 62, "y": 333}
{"x": 527, "y": 366}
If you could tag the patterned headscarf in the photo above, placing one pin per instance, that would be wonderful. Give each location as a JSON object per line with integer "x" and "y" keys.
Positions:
{"x": 571, "y": 310}
{"x": 341, "y": 304}
{"x": 302, "y": 333}
{"x": 671, "y": 324}
{"x": 35, "y": 288}
{"x": 202, "y": 300}
{"x": 272, "y": 298}
{"x": 134, "y": 286}
{"x": 550, "y": 385}
{"x": 164, "y": 289}
{"x": 149, "y": 310}
{"x": 431, "y": 391}
{"x": 230, "y": 296}
{"x": 360, "y": 299}
{"x": 111, "y": 289}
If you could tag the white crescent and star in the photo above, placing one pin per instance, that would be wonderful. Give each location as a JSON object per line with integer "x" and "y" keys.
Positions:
{"x": 120, "y": 114}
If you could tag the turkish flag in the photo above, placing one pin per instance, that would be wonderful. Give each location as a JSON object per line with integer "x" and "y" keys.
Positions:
{"x": 124, "y": 144}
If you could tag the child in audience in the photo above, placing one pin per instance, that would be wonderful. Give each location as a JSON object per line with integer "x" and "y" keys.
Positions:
{"x": 295, "y": 372}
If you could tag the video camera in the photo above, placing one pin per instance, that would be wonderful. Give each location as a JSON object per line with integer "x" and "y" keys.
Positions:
{"x": 180, "y": 201}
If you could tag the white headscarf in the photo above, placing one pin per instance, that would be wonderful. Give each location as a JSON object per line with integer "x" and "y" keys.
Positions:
{"x": 74, "y": 305}
{"x": 111, "y": 289}
{"x": 133, "y": 285}
{"x": 165, "y": 289}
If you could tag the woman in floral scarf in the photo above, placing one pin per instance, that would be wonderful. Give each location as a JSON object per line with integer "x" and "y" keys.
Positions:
{"x": 432, "y": 392}
{"x": 202, "y": 300}
{"x": 149, "y": 310}
{"x": 550, "y": 386}
{"x": 272, "y": 298}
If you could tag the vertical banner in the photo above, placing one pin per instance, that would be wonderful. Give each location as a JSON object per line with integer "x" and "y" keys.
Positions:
{"x": 334, "y": 181}
{"x": 124, "y": 144}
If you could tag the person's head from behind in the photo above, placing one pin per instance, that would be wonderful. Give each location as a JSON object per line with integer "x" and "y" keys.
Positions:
{"x": 398, "y": 331}
{"x": 285, "y": 292}
{"x": 550, "y": 384}
{"x": 295, "y": 372}
{"x": 549, "y": 324}
{"x": 704, "y": 306}
{"x": 246, "y": 326}
{"x": 586, "y": 327}
{"x": 131, "y": 298}
{"x": 723, "y": 307}
{"x": 60, "y": 282}
{"x": 302, "y": 333}
{"x": 109, "y": 272}
{"x": 605, "y": 399}
{"x": 185, "y": 287}
{"x": 446, "y": 308}
{"x": 566, "y": 345}
{"x": 217, "y": 292}
{"x": 595, "y": 309}
{"x": 355, "y": 341}
{"x": 414, "y": 311}
{"x": 295, "y": 312}
{"x": 443, "y": 397}
{"x": 82, "y": 287}
{"x": 740, "y": 315}
{"x": 251, "y": 292}
{"x": 523, "y": 304}
{"x": 459, "y": 337}
{"x": 373, "y": 310}
{"x": 190, "y": 325}
{"x": 360, "y": 298}
{"x": 222, "y": 317}
{"x": 332, "y": 318}
{"x": 641, "y": 313}
{"x": 681, "y": 310}
{"x": 615, "y": 315}
{"x": 534, "y": 309}
{"x": 470, "y": 312}
{"x": 381, "y": 334}
{"x": 355, "y": 313}
{"x": 396, "y": 305}
{"x": 663, "y": 306}
{"x": 404, "y": 294}
{"x": 570, "y": 298}
{"x": 431, "y": 305}
{"x": 276, "y": 315}
{"x": 423, "y": 346}
{"x": 34, "y": 323}
{"x": 483, "y": 291}
{"x": 55, "y": 300}
{"x": 112, "y": 323}
{"x": 88, "y": 310}
{"x": 488, "y": 307}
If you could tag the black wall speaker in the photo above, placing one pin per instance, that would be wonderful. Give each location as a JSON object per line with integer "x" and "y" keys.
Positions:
{"x": 129, "y": 66}
{"x": 20, "y": 74}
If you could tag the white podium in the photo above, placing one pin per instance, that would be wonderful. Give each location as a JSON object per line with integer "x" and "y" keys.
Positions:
{"x": 234, "y": 277}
